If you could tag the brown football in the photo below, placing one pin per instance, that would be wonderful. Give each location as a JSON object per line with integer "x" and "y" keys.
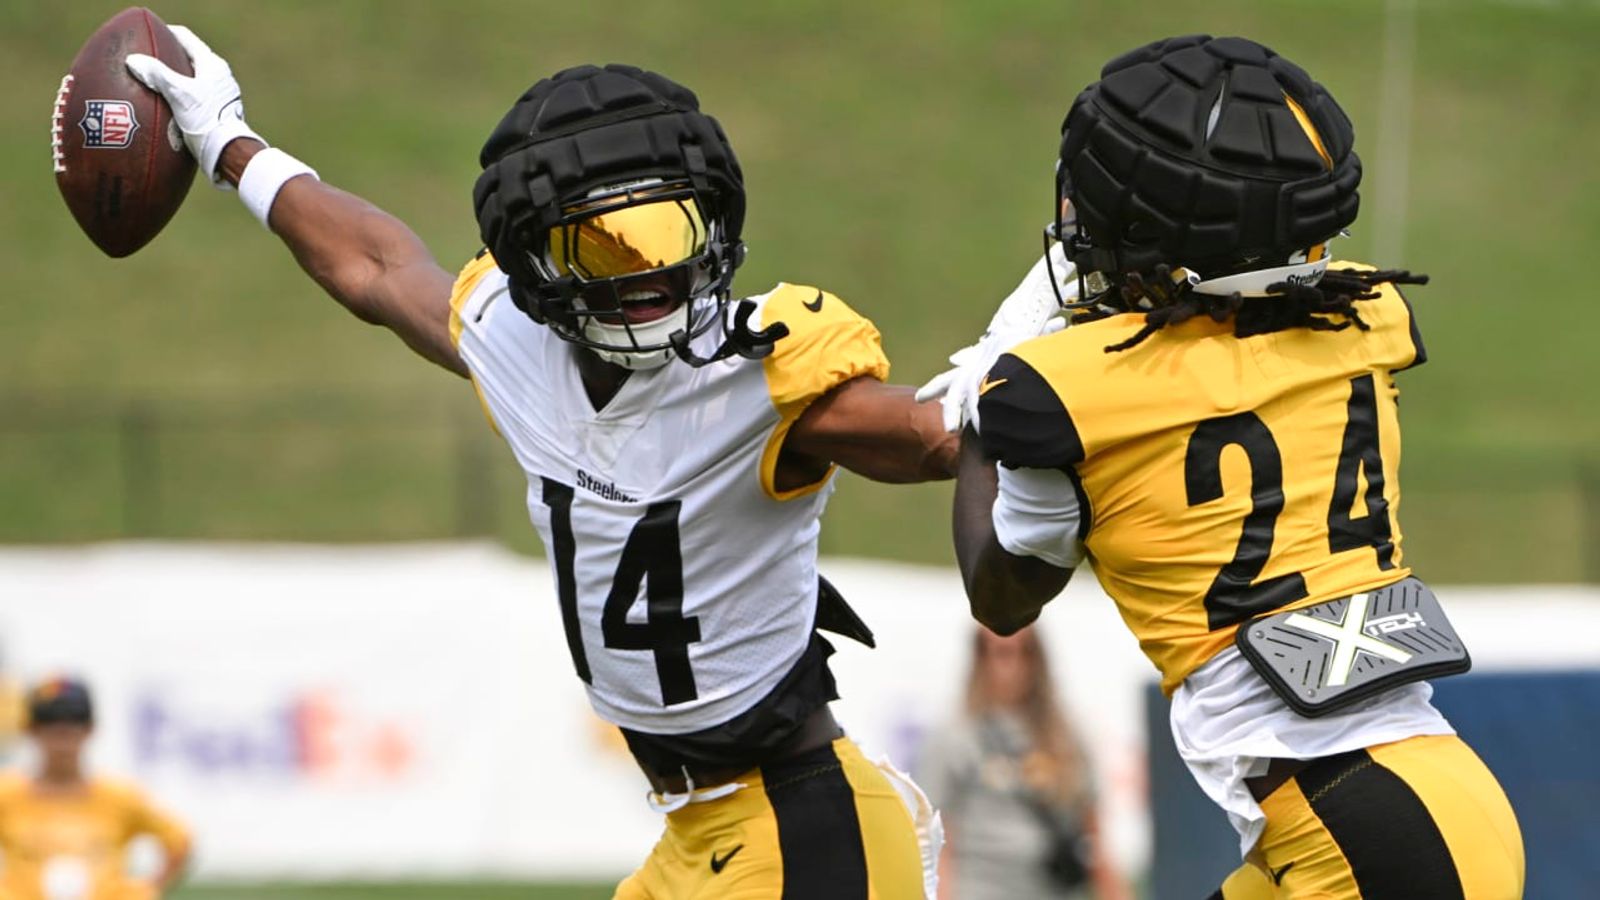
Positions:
{"x": 119, "y": 158}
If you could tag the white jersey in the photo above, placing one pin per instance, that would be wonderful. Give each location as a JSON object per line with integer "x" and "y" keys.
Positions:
{"x": 687, "y": 580}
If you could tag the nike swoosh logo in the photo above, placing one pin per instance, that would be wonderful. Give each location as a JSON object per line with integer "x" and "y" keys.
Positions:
{"x": 986, "y": 386}
{"x": 1277, "y": 875}
{"x": 814, "y": 306}
{"x": 717, "y": 865}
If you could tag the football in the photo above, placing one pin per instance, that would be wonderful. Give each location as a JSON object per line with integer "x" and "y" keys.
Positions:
{"x": 119, "y": 159}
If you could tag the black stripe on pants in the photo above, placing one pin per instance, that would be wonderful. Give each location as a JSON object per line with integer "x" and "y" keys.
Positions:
{"x": 1386, "y": 833}
{"x": 819, "y": 833}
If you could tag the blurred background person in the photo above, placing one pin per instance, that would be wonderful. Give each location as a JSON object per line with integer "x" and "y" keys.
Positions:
{"x": 64, "y": 834}
{"x": 13, "y": 712}
{"x": 1013, "y": 786}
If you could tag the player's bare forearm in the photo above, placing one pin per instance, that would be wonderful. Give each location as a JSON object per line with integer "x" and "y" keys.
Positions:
{"x": 172, "y": 872}
{"x": 876, "y": 430}
{"x": 366, "y": 259}
{"x": 1005, "y": 591}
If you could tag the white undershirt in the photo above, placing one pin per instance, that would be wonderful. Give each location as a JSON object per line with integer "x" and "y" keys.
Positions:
{"x": 1036, "y": 514}
{"x": 1227, "y": 724}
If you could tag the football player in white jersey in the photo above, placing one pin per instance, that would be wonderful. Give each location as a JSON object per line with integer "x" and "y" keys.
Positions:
{"x": 678, "y": 447}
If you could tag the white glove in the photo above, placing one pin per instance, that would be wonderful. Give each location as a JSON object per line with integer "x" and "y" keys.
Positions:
{"x": 207, "y": 106}
{"x": 1030, "y": 311}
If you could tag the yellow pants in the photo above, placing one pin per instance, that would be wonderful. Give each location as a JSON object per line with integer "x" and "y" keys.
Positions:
{"x": 1421, "y": 819}
{"x": 826, "y": 825}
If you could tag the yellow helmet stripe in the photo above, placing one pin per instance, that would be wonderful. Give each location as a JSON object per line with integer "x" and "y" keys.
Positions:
{"x": 1310, "y": 130}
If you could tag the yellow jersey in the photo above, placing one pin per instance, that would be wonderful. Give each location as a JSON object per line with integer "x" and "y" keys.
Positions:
{"x": 1218, "y": 478}
{"x": 74, "y": 845}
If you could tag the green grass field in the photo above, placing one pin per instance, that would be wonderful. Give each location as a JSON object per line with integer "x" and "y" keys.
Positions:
{"x": 897, "y": 153}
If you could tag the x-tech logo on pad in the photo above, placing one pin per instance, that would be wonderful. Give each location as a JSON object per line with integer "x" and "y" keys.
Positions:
{"x": 1348, "y": 637}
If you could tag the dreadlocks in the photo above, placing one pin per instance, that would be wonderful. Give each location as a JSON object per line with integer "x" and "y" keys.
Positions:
{"x": 1170, "y": 301}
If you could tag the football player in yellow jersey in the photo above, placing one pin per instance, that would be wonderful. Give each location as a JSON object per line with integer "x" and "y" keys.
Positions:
{"x": 63, "y": 833}
{"x": 1218, "y": 435}
{"x": 678, "y": 447}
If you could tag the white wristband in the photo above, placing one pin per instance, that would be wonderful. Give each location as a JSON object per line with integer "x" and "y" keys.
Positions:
{"x": 226, "y": 131}
{"x": 264, "y": 176}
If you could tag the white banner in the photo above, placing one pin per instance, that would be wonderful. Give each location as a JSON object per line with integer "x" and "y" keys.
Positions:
{"x": 412, "y": 710}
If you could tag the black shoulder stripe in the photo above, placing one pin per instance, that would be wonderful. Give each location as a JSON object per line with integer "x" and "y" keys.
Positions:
{"x": 1416, "y": 334}
{"x": 1022, "y": 422}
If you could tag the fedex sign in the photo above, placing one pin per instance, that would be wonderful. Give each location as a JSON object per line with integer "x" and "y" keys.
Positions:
{"x": 308, "y": 734}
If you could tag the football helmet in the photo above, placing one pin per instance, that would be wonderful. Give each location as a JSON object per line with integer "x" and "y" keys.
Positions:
{"x": 1213, "y": 156}
{"x": 615, "y": 207}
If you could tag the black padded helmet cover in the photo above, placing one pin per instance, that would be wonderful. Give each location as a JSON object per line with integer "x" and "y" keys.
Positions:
{"x": 1187, "y": 152}
{"x": 590, "y": 127}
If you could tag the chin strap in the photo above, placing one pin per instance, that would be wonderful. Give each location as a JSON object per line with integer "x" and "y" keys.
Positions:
{"x": 738, "y": 340}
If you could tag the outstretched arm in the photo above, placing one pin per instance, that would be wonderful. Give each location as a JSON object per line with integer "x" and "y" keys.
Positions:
{"x": 365, "y": 258}
{"x": 874, "y": 429}
{"x": 887, "y": 432}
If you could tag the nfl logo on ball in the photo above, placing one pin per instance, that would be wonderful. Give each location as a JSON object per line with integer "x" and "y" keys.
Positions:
{"x": 108, "y": 123}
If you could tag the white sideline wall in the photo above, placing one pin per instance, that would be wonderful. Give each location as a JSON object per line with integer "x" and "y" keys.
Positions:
{"x": 411, "y": 710}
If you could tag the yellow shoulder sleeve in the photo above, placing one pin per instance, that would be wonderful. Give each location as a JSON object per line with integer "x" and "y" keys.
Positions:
{"x": 1390, "y": 315}
{"x": 471, "y": 274}
{"x": 141, "y": 817}
{"x": 828, "y": 344}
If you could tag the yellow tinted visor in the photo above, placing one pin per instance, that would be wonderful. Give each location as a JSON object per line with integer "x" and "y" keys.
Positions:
{"x": 629, "y": 240}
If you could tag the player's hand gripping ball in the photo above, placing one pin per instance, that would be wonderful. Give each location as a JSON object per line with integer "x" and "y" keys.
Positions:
{"x": 120, "y": 159}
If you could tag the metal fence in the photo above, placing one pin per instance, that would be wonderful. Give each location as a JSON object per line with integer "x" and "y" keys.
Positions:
{"x": 329, "y": 467}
